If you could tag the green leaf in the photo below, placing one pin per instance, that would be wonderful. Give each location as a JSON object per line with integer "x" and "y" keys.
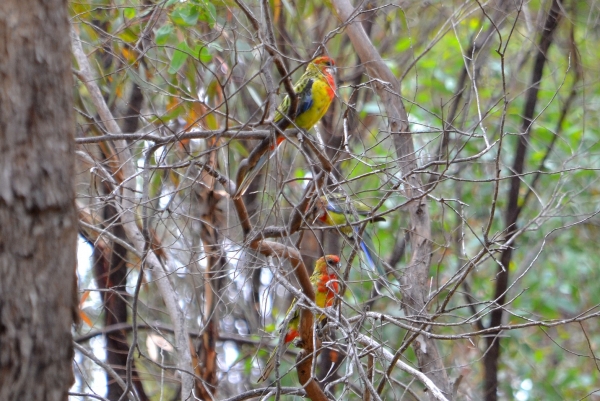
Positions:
{"x": 179, "y": 57}
{"x": 186, "y": 15}
{"x": 248, "y": 365}
{"x": 193, "y": 52}
{"x": 211, "y": 121}
{"x": 203, "y": 54}
{"x": 163, "y": 34}
{"x": 171, "y": 2}
{"x": 403, "y": 44}
{"x": 128, "y": 35}
{"x": 209, "y": 14}
{"x": 129, "y": 12}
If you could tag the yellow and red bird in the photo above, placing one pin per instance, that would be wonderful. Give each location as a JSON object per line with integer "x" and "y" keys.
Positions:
{"x": 337, "y": 210}
{"x": 316, "y": 90}
{"x": 326, "y": 284}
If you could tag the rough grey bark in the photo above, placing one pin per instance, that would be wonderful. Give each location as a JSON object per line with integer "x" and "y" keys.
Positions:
{"x": 38, "y": 226}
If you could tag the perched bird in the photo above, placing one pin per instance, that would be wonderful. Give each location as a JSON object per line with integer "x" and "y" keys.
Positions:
{"x": 315, "y": 89}
{"x": 326, "y": 284}
{"x": 337, "y": 210}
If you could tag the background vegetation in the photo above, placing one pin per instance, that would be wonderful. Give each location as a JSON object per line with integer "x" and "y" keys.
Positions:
{"x": 491, "y": 218}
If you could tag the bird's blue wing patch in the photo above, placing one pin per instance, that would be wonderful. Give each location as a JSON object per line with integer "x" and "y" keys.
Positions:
{"x": 306, "y": 99}
{"x": 335, "y": 207}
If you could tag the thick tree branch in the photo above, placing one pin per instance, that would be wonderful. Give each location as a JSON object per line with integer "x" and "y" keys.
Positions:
{"x": 266, "y": 391}
{"x": 193, "y": 134}
{"x": 158, "y": 328}
{"x": 306, "y": 355}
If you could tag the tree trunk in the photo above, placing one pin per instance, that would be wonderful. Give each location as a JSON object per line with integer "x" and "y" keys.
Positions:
{"x": 38, "y": 226}
{"x": 491, "y": 358}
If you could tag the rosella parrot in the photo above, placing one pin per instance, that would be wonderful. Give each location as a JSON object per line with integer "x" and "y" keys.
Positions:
{"x": 326, "y": 284}
{"x": 315, "y": 89}
{"x": 337, "y": 210}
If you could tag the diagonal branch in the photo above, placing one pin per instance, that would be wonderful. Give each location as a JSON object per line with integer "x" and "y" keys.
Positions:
{"x": 381, "y": 352}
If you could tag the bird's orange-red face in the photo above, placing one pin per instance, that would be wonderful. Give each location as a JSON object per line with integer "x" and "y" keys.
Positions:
{"x": 325, "y": 64}
{"x": 324, "y": 60}
{"x": 332, "y": 262}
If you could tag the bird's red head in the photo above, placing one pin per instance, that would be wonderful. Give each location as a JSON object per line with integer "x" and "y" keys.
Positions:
{"x": 326, "y": 65}
{"x": 332, "y": 259}
{"x": 328, "y": 264}
{"x": 324, "y": 61}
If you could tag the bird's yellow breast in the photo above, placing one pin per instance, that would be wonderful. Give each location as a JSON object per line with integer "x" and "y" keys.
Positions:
{"x": 322, "y": 95}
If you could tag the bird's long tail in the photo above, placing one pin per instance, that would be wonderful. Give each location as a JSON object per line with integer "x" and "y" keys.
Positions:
{"x": 253, "y": 172}
{"x": 269, "y": 366}
{"x": 373, "y": 260}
